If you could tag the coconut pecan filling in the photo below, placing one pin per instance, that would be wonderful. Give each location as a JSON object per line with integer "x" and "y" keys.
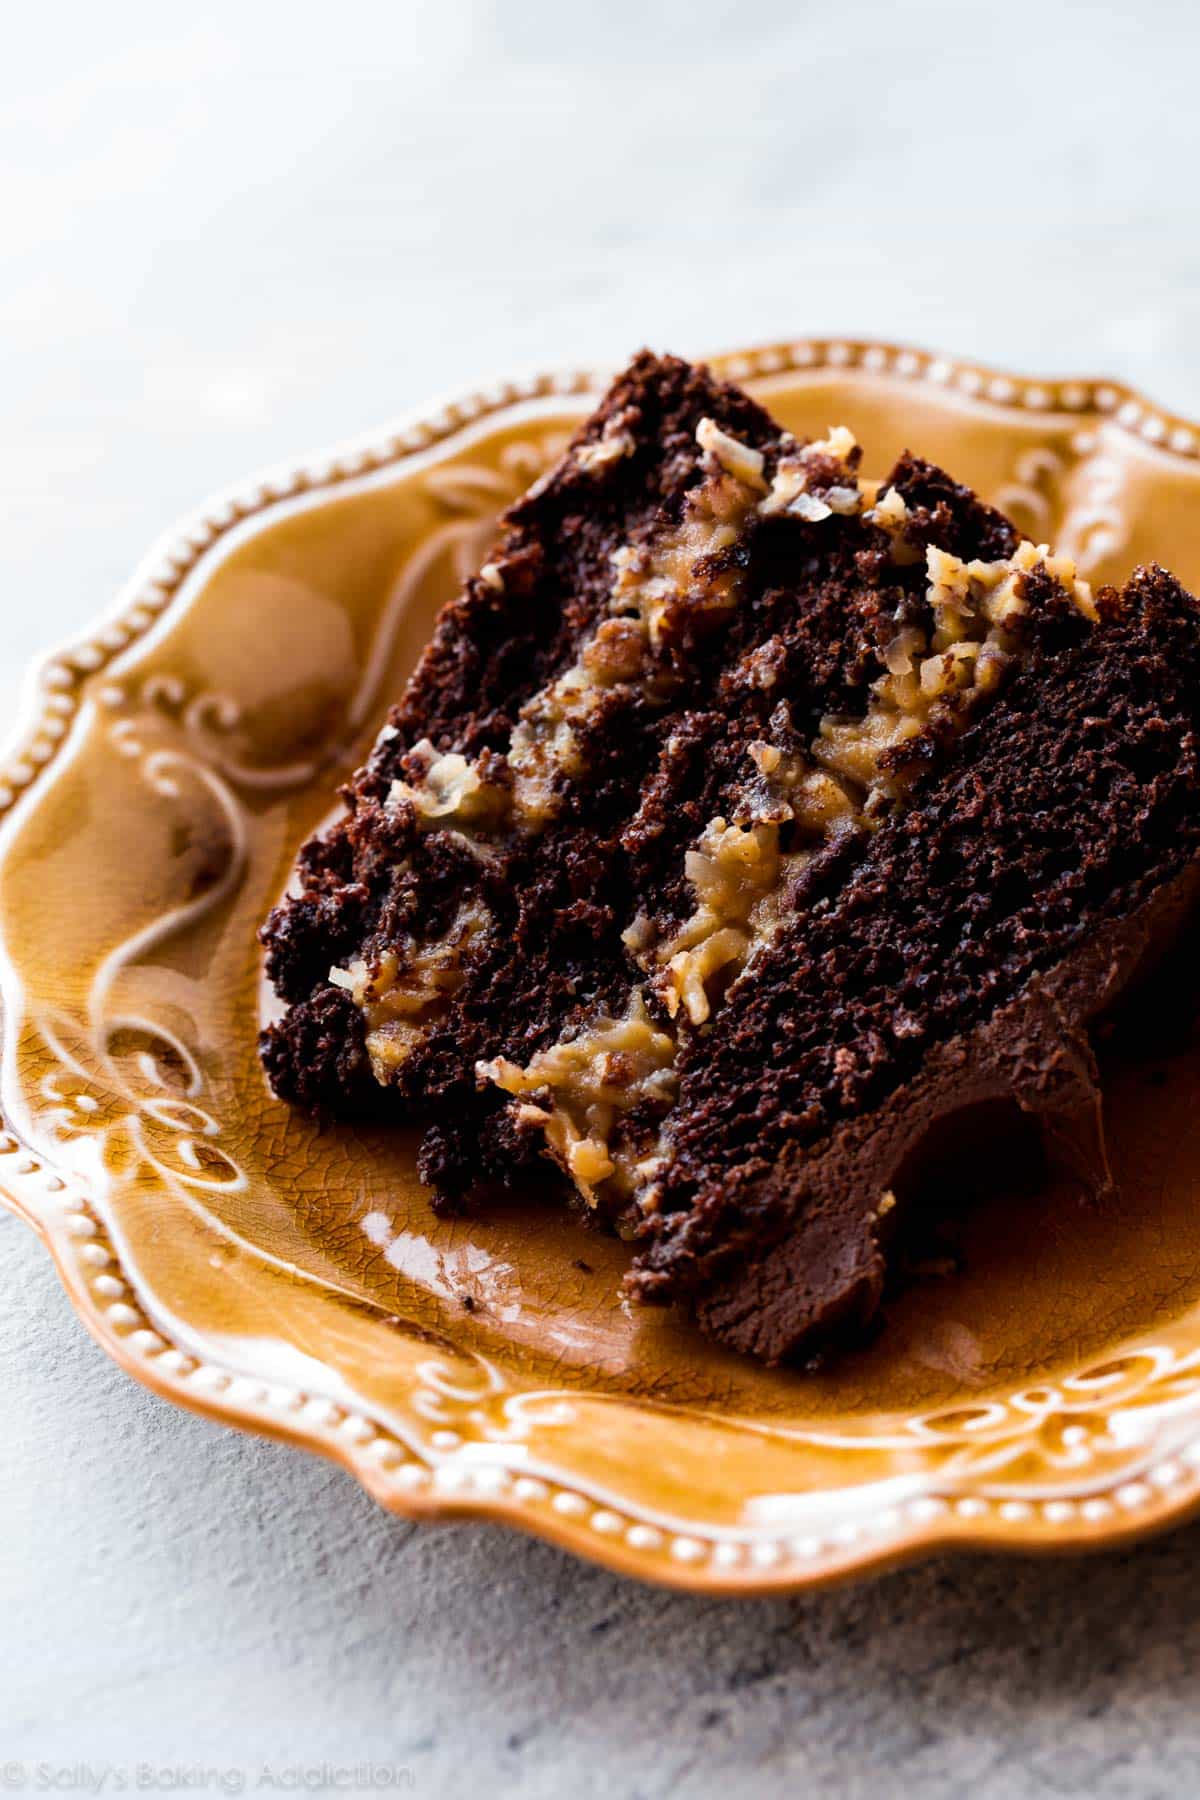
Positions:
{"x": 578, "y": 1091}
{"x": 741, "y": 868}
{"x": 686, "y": 569}
{"x": 405, "y": 993}
{"x": 484, "y": 801}
{"x": 683, "y": 568}
{"x": 582, "y": 1091}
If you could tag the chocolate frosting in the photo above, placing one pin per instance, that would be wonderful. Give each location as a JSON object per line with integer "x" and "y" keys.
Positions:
{"x": 810, "y": 1264}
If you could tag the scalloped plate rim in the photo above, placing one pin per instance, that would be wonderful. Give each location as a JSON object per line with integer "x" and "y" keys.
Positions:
{"x": 439, "y": 422}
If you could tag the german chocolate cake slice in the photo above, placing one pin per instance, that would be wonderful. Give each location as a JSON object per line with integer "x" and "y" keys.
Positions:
{"x": 745, "y": 821}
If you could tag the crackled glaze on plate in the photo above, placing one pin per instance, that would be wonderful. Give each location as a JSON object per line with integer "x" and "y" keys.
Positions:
{"x": 295, "y": 1282}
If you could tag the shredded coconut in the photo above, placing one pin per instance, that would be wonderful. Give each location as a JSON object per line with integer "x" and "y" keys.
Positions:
{"x": 590, "y": 1081}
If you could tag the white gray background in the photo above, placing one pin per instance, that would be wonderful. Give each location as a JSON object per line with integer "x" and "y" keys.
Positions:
{"x": 231, "y": 232}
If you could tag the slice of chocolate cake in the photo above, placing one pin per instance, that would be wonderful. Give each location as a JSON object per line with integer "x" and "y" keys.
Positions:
{"x": 745, "y": 821}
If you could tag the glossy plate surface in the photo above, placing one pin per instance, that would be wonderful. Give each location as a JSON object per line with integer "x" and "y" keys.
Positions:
{"x": 295, "y": 1281}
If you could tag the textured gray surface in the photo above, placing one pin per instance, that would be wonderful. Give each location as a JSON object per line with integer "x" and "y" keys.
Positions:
{"x": 235, "y": 231}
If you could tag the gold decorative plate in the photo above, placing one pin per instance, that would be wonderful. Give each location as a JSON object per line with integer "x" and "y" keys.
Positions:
{"x": 294, "y": 1281}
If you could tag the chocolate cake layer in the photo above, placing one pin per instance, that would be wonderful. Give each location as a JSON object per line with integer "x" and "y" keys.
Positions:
{"x": 984, "y": 927}
{"x": 745, "y": 818}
